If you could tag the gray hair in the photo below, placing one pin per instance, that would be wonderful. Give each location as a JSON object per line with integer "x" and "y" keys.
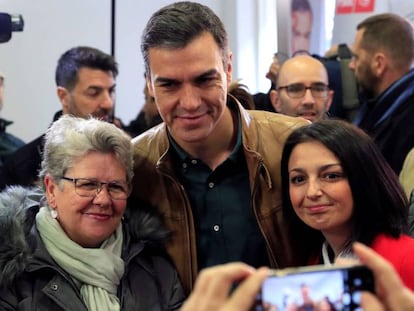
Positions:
{"x": 70, "y": 138}
{"x": 176, "y": 25}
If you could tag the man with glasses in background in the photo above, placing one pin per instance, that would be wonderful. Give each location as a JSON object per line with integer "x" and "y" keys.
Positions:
{"x": 302, "y": 89}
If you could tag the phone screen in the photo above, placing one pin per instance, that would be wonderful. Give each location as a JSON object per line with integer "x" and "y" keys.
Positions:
{"x": 321, "y": 290}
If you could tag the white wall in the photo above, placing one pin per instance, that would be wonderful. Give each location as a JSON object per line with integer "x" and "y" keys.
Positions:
{"x": 28, "y": 60}
{"x": 345, "y": 25}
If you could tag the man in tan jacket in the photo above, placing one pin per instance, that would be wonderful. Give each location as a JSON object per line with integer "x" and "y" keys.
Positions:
{"x": 212, "y": 167}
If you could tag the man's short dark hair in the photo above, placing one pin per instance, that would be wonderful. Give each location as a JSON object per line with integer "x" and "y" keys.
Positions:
{"x": 82, "y": 57}
{"x": 391, "y": 33}
{"x": 176, "y": 25}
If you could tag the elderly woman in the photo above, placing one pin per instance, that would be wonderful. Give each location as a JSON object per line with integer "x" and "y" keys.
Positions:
{"x": 78, "y": 251}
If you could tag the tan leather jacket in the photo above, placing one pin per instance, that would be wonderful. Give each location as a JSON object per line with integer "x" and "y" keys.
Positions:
{"x": 263, "y": 135}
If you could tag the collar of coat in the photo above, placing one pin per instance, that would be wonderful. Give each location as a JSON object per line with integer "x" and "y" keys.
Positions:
{"x": 18, "y": 209}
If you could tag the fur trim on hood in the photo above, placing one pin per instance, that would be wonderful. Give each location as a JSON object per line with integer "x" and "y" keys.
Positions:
{"x": 18, "y": 209}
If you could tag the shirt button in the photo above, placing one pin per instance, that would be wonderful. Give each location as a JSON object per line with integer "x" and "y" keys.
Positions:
{"x": 194, "y": 161}
{"x": 216, "y": 228}
{"x": 184, "y": 165}
{"x": 211, "y": 185}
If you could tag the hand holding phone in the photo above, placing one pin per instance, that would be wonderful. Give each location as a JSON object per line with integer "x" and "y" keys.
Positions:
{"x": 315, "y": 288}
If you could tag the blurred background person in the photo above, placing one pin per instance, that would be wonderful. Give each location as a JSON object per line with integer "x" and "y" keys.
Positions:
{"x": 146, "y": 118}
{"x": 324, "y": 304}
{"x": 8, "y": 142}
{"x": 307, "y": 303}
{"x": 241, "y": 92}
{"x": 262, "y": 101}
{"x": 407, "y": 174}
{"x": 341, "y": 80}
{"x": 385, "y": 74}
{"x": 302, "y": 89}
{"x": 85, "y": 86}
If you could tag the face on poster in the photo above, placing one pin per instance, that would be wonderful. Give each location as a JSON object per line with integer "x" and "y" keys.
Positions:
{"x": 301, "y": 26}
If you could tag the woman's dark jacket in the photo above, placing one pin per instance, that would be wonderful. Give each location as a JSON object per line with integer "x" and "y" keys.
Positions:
{"x": 31, "y": 280}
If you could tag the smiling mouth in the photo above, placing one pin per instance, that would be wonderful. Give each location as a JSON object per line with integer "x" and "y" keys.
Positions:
{"x": 307, "y": 114}
{"x": 317, "y": 209}
{"x": 191, "y": 117}
{"x": 193, "y": 121}
{"x": 98, "y": 216}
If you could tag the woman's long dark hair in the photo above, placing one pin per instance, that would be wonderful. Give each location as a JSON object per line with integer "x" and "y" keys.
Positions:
{"x": 380, "y": 204}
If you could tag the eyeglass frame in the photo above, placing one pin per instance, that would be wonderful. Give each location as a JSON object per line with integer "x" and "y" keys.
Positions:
{"x": 98, "y": 187}
{"x": 311, "y": 88}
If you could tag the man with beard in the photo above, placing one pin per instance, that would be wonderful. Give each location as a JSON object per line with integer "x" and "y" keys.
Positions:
{"x": 383, "y": 54}
{"x": 302, "y": 89}
{"x": 85, "y": 80}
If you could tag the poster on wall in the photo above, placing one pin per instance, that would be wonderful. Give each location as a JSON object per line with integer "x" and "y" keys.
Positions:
{"x": 301, "y": 27}
{"x": 307, "y": 27}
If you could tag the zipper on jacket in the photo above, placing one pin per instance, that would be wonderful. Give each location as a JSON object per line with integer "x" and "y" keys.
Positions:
{"x": 260, "y": 167}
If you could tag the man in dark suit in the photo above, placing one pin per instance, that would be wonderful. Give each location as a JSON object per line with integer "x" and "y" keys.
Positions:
{"x": 383, "y": 55}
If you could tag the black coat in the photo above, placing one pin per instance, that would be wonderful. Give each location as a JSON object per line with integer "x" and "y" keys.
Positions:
{"x": 389, "y": 119}
{"x": 31, "y": 280}
{"x": 22, "y": 166}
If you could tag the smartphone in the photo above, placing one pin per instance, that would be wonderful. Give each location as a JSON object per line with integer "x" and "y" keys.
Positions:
{"x": 315, "y": 288}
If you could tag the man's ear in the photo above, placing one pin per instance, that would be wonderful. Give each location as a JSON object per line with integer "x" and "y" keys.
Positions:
{"x": 149, "y": 86}
{"x": 274, "y": 99}
{"x": 229, "y": 68}
{"x": 379, "y": 63}
{"x": 330, "y": 99}
{"x": 63, "y": 95}
{"x": 50, "y": 190}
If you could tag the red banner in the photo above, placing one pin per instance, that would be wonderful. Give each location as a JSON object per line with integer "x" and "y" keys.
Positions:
{"x": 354, "y": 6}
{"x": 364, "y": 6}
{"x": 345, "y": 6}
